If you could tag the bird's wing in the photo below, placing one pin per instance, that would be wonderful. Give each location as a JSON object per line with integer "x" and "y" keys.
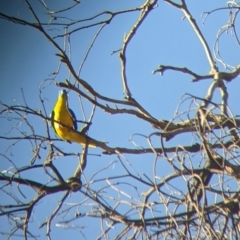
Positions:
{"x": 73, "y": 116}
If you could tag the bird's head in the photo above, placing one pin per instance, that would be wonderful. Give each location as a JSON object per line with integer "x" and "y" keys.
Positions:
{"x": 63, "y": 94}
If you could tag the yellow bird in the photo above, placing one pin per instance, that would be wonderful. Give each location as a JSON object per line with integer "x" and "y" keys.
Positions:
{"x": 64, "y": 123}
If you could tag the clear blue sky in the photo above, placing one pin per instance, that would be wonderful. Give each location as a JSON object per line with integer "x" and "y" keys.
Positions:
{"x": 27, "y": 60}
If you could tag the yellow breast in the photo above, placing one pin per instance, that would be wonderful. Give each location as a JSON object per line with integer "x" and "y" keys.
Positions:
{"x": 63, "y": 120}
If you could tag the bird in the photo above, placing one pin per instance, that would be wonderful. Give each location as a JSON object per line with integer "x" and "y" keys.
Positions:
{"x": 64, "y": 123}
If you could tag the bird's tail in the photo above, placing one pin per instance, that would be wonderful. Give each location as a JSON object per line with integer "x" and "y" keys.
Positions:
{"x": 84, "y": 139}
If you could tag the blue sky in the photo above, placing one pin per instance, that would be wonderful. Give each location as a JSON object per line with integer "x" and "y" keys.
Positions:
{"x": 28, "y": 60}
